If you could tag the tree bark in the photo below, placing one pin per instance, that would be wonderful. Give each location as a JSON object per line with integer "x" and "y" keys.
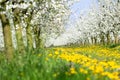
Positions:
{"x": 95, "y": 40}
{"x": 108, "y": 37}
{"x": 7, "y": 37}
{"x": 102, "y": 41}
{"x": 29, "y": 37}
{"x": 92, "y": 40}
{"x": 37, "y": 32}
{"x": 115, "y": 38}
{"x": 19, "y": 37}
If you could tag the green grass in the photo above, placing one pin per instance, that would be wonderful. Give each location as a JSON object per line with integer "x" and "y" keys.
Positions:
{"x": 35, "y": 65}
{"x": 31, "y": 66}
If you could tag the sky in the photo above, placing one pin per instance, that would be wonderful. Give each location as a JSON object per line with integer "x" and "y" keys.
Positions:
{"x": 79, "y": 7}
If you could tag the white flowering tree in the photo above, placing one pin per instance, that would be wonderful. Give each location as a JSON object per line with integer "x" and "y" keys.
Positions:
{"x": 30, "y": 20}
{"x": 110, "y": 10}
{"x": 105, "y": 21}
{"x": 101, "y": 23}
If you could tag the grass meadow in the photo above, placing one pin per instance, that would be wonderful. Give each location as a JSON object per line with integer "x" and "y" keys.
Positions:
{"x": 63, "y": 63}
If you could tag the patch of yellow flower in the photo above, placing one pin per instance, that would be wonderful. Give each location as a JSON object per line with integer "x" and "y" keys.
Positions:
{"x": 83, "y": 71}
{"x": 71, "y": 71}
{"x": 102, "y": 67}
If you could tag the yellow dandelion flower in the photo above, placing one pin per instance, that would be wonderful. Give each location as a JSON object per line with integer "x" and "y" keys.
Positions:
{"x": 99, "y": 69}
{"x": 50, "y": 55}
{"x": 88, "y": 78}
{"x": 92, "y": 68}
{"x": 113, "y": 77}
{"x": 56, "y": 52}
{"x": 72, "y": 70}
{"x": 83, "y": 71}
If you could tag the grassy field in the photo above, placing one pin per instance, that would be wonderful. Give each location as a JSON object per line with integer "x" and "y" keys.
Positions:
{"x": 78, "y": 63}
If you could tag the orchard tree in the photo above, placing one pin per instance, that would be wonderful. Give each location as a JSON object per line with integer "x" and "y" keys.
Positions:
{"x": 101, "y": 23}
{"x": 34, "y": 19}
{"x": 109, "y": 11}
{"x": 6, "y": 29}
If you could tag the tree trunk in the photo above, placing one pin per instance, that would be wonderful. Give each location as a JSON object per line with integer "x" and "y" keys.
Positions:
{"x": 95, "y": 40}
{"x": 115, "y": 38}
{"x": 92, "y": 40}
{"x": 7, "y": 37}
{"x": 37, "y": 32}
{"x": 102, "y": 41}
{"x": 108, "y": 37}
{"x": 29, "y": 37}
{"x": 19, "y": 37}
{"x": 18, "y": 26}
